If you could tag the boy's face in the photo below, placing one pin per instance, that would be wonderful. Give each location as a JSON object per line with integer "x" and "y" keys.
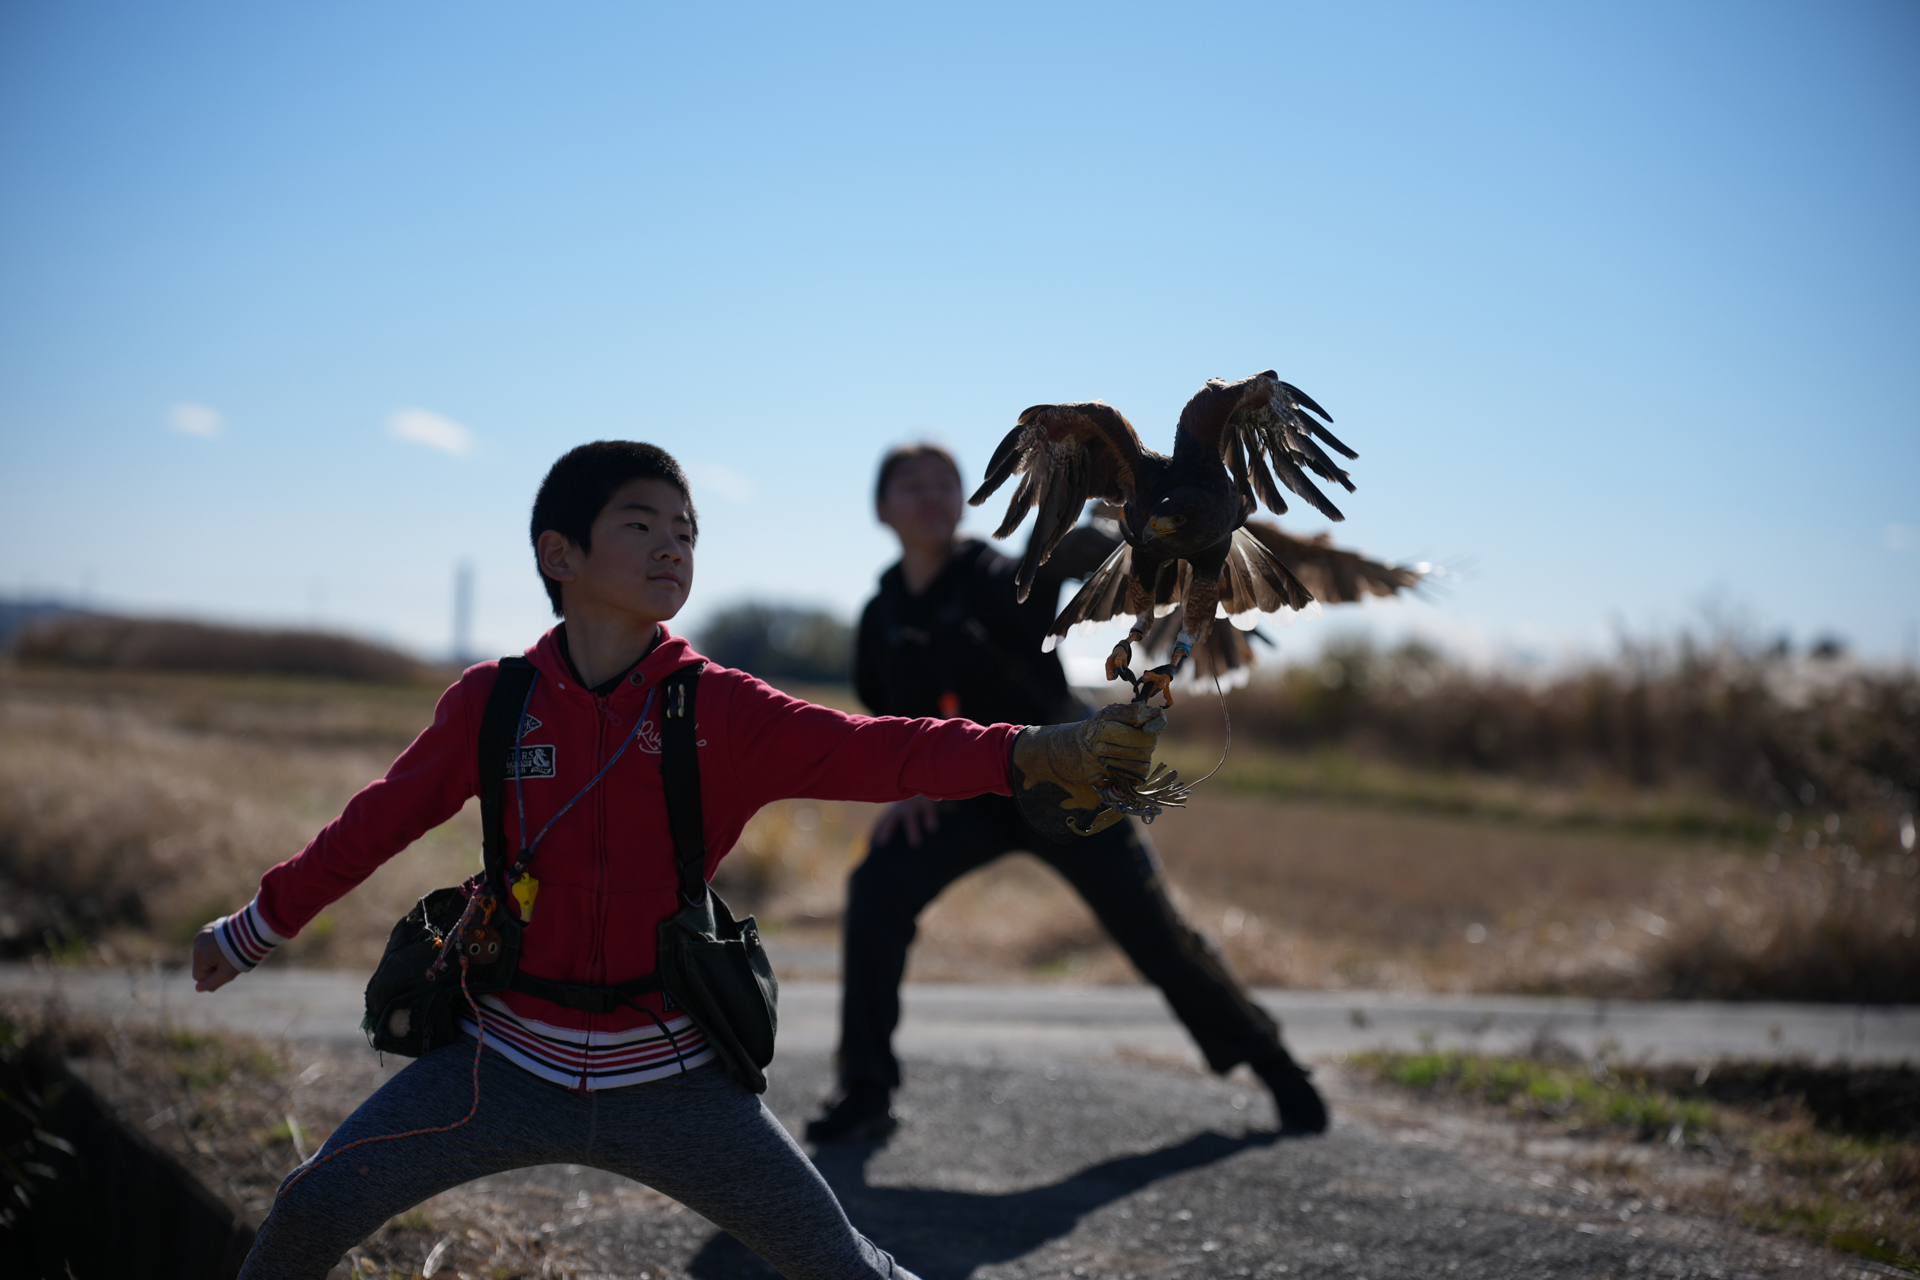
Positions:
{"x": 922, "y": 502}
{"x": 641, "y": 565}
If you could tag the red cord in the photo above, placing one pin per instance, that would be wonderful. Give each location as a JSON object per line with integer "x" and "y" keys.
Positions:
{"x": 472, "y": 890}
{"x": 478, "y": 1042}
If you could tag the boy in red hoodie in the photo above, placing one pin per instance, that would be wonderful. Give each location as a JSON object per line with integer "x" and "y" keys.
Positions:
{"x": 635, "y": 1091}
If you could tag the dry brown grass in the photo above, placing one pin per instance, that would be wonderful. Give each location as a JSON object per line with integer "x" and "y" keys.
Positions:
{"x": 1306, "y": 894}
{"x": 133, "y": 807}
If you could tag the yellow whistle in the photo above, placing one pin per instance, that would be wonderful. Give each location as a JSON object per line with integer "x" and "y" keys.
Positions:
{"x": 524, "y": 890}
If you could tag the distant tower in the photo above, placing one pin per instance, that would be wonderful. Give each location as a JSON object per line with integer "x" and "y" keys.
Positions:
{"x": 463, "y": 614}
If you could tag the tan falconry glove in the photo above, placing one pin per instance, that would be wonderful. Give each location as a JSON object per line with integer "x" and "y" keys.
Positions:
{"x": 1055, "y": 768}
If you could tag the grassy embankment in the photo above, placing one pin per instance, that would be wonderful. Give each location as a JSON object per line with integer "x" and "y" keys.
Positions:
{"x": 240, "y": 1114}
{"x": 1828, "y": 1154}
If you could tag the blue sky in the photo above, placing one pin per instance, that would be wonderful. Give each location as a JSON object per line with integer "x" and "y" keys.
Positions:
{"x": 1620, "y": 305}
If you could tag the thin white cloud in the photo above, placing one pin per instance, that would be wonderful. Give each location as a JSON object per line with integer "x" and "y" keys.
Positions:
{"x": 430, "y": 429}
{"x": 723, "y": 480}
{"x": 195, "y": 420}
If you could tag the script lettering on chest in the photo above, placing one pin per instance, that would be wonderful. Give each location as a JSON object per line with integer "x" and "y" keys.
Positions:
{"x": 648, "y": 736}
{"x": 536, "y": 761}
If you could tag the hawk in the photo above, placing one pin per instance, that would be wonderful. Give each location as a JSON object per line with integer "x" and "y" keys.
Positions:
{"x": 1185, "y": 540}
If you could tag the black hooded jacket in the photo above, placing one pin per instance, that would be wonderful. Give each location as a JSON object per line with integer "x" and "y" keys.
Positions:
{"x": 965, "y": 646}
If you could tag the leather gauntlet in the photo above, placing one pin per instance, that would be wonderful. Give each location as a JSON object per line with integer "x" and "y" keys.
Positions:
{"x": 1056, "y": 768}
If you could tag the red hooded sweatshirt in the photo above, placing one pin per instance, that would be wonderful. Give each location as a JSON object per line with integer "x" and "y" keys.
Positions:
{"x": 606, "y": 870}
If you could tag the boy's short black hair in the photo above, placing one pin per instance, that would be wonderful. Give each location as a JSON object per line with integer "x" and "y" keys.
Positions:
{"x": 579, "y": 486}
{"x": 901, "y": 453}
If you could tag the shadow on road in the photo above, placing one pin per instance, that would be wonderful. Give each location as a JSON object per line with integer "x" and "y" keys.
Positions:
{"x": 945, "y": 1235}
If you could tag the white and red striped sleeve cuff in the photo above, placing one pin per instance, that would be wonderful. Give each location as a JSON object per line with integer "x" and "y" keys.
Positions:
{"x": 245, "y": 938}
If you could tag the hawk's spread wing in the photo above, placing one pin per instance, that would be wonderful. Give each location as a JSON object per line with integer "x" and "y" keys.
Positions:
{"x": 1065, "y": 454}
{"x": 1333, "y": 575}
{"x": 1259, "y": 422}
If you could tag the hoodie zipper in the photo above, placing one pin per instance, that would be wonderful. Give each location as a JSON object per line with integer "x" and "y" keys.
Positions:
{"x": 597, "y": 969}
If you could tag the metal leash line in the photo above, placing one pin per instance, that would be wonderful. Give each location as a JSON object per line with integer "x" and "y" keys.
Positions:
{"x": 1227, "y": 721}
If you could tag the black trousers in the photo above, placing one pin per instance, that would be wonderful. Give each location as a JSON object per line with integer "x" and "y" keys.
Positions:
{"x": 1117, "y": 874}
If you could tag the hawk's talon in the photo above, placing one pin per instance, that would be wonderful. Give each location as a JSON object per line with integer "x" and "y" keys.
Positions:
{"x": 1118, "y": 660}
{"x": 1159, "y": 680}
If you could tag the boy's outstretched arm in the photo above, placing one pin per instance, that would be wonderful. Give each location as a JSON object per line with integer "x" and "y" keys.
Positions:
{"x": 427, "y": 785}
{"x": 782, "y": 747}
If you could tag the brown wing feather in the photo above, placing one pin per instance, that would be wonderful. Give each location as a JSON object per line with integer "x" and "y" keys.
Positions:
{"x": 1065, "y": 454}
{"x": 1255, "y": 580}
{"x": 1333, "y": 574}
{"x": 1100, "y": 597}
{"x": 1272, "y": 423}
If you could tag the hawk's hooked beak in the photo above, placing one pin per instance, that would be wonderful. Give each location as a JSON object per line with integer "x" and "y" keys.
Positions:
{"x": 1161, "y": 526}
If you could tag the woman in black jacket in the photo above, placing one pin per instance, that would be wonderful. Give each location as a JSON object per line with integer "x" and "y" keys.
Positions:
{"x": 947, "y": 637}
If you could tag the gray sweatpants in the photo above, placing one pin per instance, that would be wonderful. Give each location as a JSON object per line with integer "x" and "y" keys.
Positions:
{"x": 698, "y": 1137}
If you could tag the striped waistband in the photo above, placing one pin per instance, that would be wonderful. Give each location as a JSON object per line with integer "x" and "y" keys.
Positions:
{"x": 592, "y": 1059}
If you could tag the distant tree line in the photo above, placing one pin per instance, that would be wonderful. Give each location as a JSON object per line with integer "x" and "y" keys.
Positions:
{"x": 18, "y": 613}
{"x": 773, "y": 641}
{"x": 780, "y": 642}
{"x": 106, "y": 642}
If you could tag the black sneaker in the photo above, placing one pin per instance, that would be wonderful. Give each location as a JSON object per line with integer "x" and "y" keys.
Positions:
{"x": 1294, "y": 1097}
{"x": 861, "y": 1114}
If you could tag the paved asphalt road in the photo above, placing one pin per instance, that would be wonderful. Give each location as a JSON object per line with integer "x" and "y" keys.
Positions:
{"x": 1066, "y": 1131}
{"x": 943, "y": 1019}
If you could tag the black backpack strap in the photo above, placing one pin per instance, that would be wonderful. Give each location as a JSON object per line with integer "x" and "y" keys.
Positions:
{"x": 680, "y": 776}
{"x": 499, "y": 725}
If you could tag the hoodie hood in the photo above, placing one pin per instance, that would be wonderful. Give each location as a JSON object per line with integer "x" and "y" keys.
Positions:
{"x": 668, "y": 656}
